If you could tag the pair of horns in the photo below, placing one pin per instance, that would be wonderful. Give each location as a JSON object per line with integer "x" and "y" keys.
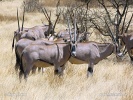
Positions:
{"x": 75, "y": 28}
{"x": 22, "y": 20}
{"x": 48, "y": 17}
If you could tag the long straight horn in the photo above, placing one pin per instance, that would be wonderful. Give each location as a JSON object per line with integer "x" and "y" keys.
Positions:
{"x": 18, "y": 21}
{"x": 56, "y": 21}
{"x": 69, "y": 28}
{"x": 86, "y": 21}
{"x": 23, "y": 19}
{"x": 57, "y": 7}
{"x": 45, "y": 14}
{"x": 75, "y": 28}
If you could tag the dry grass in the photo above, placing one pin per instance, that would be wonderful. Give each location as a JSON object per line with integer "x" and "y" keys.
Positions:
{"x": 112, "y": 80}
{"x": 54, "y": 2}
{"x": 7, "y": 18}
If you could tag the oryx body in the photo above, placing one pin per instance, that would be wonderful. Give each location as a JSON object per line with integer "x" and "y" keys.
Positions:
{"x": 82, "y": 37}
{"x": 44, "y": 55}
{"x": 23, "y": 43}
{"x": 33, "y": 33}
{"x": 91, "y": 53}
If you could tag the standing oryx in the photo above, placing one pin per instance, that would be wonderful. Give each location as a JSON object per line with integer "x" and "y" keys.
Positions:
{"x": 36, "y": 32}
{"x": 56, "y": 54}
{"x": 23, "y": 43}
{"x": 89, "y": 52}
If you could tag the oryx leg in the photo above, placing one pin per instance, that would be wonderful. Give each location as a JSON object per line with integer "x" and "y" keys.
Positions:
{"x": 34, "y": 69}
{"x": 43, "y": 70}
{"x": 28, "y": 68}
{"x": 62, "y": 70}
{"x": 131, "y": 59}
{"x": 90, "y": 69}
{"x": 59, "y": 70}
{"x": 56, "y": 71}
{"x": 39, "y": 69}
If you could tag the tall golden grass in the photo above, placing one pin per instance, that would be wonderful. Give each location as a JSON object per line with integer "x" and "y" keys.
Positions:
{"x": 112, "y": 80}
{"x": 54, "y": 2}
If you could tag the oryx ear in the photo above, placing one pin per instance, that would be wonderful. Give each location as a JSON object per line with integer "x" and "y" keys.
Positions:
{"x": 15, "y": 32}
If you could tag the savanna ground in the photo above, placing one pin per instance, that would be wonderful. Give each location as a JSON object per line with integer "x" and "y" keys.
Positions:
{"x": 112, "y": 80}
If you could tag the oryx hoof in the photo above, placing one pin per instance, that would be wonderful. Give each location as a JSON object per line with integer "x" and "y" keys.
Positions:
{"x": 89, "y": 74}
{"x": 61, "y": 75}
{"x": 56, "y": 72}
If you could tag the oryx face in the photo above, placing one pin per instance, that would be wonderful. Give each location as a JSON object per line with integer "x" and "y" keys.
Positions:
{"x": 49, "y": 30}
{"x": 17, "y": 35}
{"x": 73, "y": 48}
{"x": 118, "y": 52}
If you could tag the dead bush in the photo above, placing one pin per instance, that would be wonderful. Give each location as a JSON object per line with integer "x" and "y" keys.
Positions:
{"x": 32, "y": 5}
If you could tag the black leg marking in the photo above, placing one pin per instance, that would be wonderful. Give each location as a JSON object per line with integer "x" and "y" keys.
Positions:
{"x": 90, "y": 70}
{"x": 56, "y": 71}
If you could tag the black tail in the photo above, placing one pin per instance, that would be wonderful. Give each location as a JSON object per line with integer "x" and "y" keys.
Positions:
{"x": 13, "y": 43}
{"x": 21, "y": 65}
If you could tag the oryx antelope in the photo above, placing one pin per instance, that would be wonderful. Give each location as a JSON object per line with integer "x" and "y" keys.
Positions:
{"x": 22, "y": 43}
{"x": 89, "y": 52}
{"x": 56, "y": 54}
{"x": 36, "y": 32}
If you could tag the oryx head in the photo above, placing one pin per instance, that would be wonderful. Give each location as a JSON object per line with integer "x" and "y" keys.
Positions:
{"x": 73, "y": 41}
{"x": 118, "y": 48}
{"x": 18, "y": 33}
{"x": 122, "y": 44}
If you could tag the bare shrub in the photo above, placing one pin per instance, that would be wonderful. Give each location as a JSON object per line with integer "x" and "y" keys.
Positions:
{"x": 35, "y": 5}
{"x": 32, "y": 5}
